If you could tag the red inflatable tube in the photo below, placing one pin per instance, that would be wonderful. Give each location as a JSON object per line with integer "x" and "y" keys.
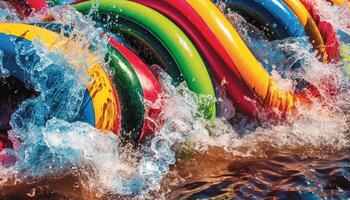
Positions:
{"x": 151, "y": 87}
{"x": 78, "y": 1}
{"x": 22, "y": 8}
{"x": 117, "y": 126}
{"x": 25, "y": 7}
{"x": 327, "y": 32}
{"x": 222, "y": 67}
{"x": 37, "y": 4}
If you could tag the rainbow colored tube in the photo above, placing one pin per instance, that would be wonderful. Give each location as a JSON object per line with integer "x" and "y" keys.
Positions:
{"x": 256, "y": 87}
{"x": 185, "y": 54}
{"x": 101, "y": 105}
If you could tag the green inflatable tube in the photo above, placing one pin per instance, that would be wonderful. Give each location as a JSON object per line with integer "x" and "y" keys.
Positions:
{"x": 185, "y": 54}
{"x": 130, "y": 95}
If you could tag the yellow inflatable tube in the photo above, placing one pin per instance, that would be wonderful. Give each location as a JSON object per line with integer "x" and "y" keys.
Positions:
{"x": 310, "y": 26}
{"x": 101, "y": 89}
{"x": 251, "y": 70}
{"x": 341, "y": 2}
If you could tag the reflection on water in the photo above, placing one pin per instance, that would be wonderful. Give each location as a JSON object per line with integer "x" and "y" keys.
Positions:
{"x": 208, "y": 175}
{"x": 279, "y": 176}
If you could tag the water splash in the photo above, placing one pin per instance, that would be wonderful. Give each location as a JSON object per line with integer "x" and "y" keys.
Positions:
{"x": 52, "y": 145}
{"x": 338, "y": 16}
{"x": 59, "y": 145}
{"x": 317, "y": 130}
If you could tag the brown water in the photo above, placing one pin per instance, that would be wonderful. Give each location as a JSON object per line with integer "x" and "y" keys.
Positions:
{"x": 280, "y": 176}
{"x": 219, "y": 175}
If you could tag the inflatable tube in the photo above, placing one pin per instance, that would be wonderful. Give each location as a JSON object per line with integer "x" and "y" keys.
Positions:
{"x": 151, "y": 88}
{"x": 131, "y": 96}
{"x": 310, "y": 26}
{"x": 253, "y": 73}
{"x": 327, "y": 32}
{"x": 100, "y": 107}
{"x": 185, "y": 54}
{"x": 37, "y": 4}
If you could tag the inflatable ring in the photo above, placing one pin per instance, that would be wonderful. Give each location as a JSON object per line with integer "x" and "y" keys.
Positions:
{"x": 310, "y": 26}
{"x": 185, "y": 54}
{"x": 327, "y": 32}
{"x": 253, "y": 73}
{"x": 101, "y": 105}
{"x": 151, "y": 88}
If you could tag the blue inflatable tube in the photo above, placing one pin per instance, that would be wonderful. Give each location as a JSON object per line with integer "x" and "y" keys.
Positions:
{"x": 272, "y": 16}
{"x": 8, "y": 47}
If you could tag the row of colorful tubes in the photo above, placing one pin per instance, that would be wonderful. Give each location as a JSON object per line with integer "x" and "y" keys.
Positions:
{"x": 192, "y": 40}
